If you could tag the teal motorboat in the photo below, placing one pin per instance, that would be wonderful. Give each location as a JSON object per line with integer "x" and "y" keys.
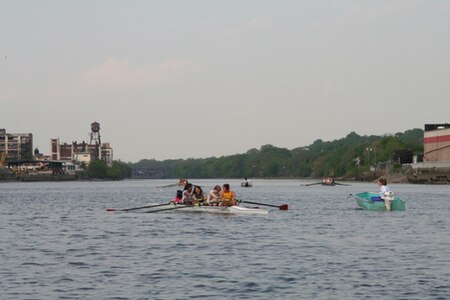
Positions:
{"x": 375, "y": 202}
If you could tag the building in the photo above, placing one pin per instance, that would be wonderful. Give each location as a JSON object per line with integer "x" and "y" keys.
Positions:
{"x": 16, "y": 146}
{"x": 435, "y": 167}
{"x": 80, "y": 152}
{"x": 83, "y": 152}
{"x": 106, "y": 153}
{"x": 436, "y": 143}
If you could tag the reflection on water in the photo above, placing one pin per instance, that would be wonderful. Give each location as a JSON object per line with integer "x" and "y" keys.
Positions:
{"x": 57, "y": 241}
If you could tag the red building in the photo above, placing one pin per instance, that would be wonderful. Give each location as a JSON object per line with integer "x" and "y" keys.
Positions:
{"x": 83, "y": 152}
{"x": 80, "y": 152}
{"x": 436, "y": 143}
{"x": 435, "y": 167}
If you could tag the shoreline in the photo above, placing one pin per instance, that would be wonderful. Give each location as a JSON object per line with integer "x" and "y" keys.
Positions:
{"x": 68, "y": 178}
{"x": 430, "y": 178}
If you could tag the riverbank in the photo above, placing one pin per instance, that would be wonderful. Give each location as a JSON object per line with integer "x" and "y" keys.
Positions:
{"x": 426, "y": 178}
{"x": 38, "y": 177}
{"x": 9, "y": 176}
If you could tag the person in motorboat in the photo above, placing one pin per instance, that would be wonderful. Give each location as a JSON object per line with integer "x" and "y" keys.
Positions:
{"x": 187, "y": 194}
{"x": 382, "y": 182}
{"x": 384, "y": 190}
{"x": 228, "y": 197}
{"x": 214, "y": 196}
{"x": 386, "y": 194}
{"x": 197, "y": 195}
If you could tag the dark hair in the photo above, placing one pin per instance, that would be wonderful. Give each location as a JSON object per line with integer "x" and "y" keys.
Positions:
{"x": 382, "y": 180}
{"x": 187, "y": 186}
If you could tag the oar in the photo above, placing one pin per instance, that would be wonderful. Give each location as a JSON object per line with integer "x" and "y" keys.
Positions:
{"x": 134, "y": 208}
{"x": 281, "y": 207}
{"x": 171, "y": 208}
{"x": 165, "y": 186}
{"x": 181, "y": 182}
{"x": 310, "y": 184}
{"x": 342, "y": 184}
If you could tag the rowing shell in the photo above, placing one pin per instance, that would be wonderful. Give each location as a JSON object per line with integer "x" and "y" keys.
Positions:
{"x": 210, "y": 209}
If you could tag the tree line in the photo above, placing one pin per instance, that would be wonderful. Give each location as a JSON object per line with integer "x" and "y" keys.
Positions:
{"x": 353, "y": 156}
{"x": 101, "y": 170}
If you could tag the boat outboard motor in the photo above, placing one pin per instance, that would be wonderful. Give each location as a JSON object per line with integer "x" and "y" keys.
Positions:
{"x": 388, "y": 198}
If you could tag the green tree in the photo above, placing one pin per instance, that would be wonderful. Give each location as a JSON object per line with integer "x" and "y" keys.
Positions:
{"x": 118, "y": 170}
{"x": 321, "y": 158}
{"x": 98, "y": 169}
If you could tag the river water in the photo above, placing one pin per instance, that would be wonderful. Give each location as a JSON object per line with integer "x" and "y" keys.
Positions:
{"x": 58, "y": 242}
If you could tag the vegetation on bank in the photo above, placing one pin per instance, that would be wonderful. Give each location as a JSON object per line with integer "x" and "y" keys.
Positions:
{"x": 100, "y": 170}
{"x": 97, "y": 169}
{"x": 352, "y": 157}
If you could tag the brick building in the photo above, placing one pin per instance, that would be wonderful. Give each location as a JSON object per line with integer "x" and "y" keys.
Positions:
{"x": 436, "y": 143}
{"x": 80, "y": 152}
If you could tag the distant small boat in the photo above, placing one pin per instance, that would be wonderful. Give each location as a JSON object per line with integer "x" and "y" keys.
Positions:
{"x": 246, "y": 183}
{"x": 373, "y": 201}
{"x": 328, "y": 181}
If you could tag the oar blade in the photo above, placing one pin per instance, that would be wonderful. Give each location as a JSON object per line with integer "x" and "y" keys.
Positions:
{"x": 284, "y": 207}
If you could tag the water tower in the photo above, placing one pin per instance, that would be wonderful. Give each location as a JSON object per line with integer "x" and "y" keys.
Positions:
{"x": 95, "y": 143}
{"x": 95, "y": 134}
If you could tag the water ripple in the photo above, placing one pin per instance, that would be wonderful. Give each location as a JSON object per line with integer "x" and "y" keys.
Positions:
{"x": 63, "y": 245}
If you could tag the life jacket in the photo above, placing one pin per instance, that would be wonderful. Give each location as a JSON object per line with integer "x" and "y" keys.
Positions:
{"x": 227, "y": 196}
{"x": 179, "y": 196}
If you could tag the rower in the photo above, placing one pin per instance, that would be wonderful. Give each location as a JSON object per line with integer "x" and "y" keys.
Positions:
{"x": 214, "y": 195}
{"x": 183, "y": 182}
{"x": 228, "y": 196}
{"x": 198, "y": 196}
{"x": 187, "y": 194}
{"x": 178, "y": 198}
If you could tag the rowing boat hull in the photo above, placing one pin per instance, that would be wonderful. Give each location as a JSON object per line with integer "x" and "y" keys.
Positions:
{"x": 364, "y": 200}
{"x": 210, "y": 209}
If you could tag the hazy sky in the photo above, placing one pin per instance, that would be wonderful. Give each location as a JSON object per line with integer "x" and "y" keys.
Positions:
{"x": 181, "y": 79}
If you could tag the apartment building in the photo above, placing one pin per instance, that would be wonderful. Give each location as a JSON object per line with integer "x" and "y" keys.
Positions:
{"x": 16, "y": 146}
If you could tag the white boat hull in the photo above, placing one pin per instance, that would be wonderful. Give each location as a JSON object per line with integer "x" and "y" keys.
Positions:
{"x": 208, "y": 209}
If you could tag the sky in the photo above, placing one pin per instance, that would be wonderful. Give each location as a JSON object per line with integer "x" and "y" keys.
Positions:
{"x": 196, "y": 79}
